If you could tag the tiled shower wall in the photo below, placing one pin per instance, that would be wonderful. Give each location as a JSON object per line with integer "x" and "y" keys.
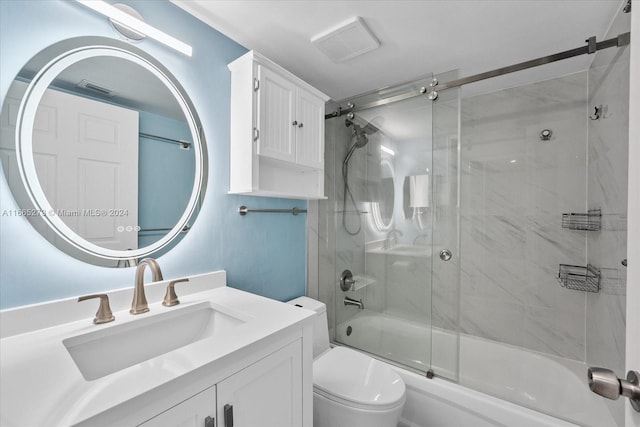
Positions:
{"x": 514, "y": 189}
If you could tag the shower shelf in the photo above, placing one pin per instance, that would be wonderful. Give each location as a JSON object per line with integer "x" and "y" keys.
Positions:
{"x": 590, "y": 221}
{"x": 579, "y": 278}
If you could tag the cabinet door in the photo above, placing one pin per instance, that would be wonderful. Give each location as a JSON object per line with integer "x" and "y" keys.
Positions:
{"x": 275, "y": 116}
{"x": 310, "y": 131}
{"x": 266, "y": 394}
{"x": 193, "y": 412}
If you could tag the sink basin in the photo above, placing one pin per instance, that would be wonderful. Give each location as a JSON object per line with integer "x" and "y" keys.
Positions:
{"x": 114, "y": 348}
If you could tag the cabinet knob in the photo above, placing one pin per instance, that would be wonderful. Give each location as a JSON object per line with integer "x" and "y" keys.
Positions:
{"x": 300, "y": 125}
{"x": 295, "y": 122}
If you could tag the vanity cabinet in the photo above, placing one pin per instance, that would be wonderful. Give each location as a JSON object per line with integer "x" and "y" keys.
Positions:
{"x": 277, "y": 131}
{"x": 197, "y": 411}
{"x": 266, "y": 393}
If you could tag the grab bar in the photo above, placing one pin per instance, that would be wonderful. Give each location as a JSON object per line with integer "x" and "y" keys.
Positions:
{"x": 243, "y": 210}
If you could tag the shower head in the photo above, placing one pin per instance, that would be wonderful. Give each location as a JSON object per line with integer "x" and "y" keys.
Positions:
{"x": 361, "y": 140}
{"x": 369, "y": 128}
{"x": 360, "y": 134}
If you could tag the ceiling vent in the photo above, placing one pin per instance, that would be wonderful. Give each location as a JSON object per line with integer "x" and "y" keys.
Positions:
{"x": 348, "y": 40}
{"x": 95, "y": 88}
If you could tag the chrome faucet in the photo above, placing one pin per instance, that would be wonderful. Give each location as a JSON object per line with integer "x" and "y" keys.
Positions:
{"x": 350, "y": 301}
{"x": 139, "y": 303}
{"x": 391, "y": 237}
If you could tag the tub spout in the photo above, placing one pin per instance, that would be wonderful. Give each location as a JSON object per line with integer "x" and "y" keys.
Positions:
{"x": 350, "y": 301}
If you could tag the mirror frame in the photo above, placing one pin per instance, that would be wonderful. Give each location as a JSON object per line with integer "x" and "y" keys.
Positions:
{"x": 64, "y": 54}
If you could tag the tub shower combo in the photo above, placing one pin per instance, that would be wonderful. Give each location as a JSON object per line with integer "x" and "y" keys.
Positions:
{"x": 476, "y": 240}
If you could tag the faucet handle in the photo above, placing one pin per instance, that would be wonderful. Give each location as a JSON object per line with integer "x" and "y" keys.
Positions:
{"x": 170, "y": 298}
{"x": 104, "y": 314}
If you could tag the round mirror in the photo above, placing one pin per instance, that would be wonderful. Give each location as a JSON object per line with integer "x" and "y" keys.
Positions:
{"x": 384, "y": 195}
{"x": 102, "y": 150}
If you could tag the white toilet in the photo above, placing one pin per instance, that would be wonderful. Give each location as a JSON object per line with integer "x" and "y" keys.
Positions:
{"x": 350, "y": 389}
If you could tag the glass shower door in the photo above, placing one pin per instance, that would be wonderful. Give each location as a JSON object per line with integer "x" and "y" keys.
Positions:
{"x": 384, "y": 205}
{"x": 445, "y": 236}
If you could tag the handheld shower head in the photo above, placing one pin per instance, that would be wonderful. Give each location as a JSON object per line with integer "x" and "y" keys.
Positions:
{"x": 360, "y": 135}
{"x": 361, "y": 140}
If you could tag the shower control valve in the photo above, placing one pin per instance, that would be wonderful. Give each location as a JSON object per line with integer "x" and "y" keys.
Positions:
{"x": 347, "y": 281}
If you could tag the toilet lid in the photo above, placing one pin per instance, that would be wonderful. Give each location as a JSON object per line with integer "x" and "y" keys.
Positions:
{"x": 357, "y": 379}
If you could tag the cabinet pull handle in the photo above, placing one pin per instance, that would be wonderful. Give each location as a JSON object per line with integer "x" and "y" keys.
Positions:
{"x": 228, "y": 415}
{"x": 209, "y": 422}
{"x": 256, "y": 85}
{"x": 300, "y": 125}
{"x": 256, "y": 134}
{"x": 295, "y": 122}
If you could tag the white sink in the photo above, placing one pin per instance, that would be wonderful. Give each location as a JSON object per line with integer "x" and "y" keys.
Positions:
{"x": 117, "y": 347}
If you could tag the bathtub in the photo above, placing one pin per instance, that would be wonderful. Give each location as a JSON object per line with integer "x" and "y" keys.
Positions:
{"x": 499, "y": 384}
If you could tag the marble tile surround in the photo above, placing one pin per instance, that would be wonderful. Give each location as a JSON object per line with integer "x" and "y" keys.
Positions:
{"x": 515, "y": 188}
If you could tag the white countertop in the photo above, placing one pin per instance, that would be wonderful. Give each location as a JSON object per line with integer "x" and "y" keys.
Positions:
{"x": 41, "y": 385}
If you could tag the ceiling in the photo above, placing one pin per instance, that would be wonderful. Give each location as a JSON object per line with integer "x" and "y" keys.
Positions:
{"x": 416, "y": 37}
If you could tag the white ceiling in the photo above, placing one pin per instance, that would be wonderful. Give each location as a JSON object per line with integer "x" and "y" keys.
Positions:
{"x": 417, "y": 37}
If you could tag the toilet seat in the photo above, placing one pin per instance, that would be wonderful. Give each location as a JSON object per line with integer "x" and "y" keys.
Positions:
{"x": 357, "y": 380}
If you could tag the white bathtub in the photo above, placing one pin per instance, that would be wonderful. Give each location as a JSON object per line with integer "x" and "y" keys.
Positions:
{"x": 534, "y": 382}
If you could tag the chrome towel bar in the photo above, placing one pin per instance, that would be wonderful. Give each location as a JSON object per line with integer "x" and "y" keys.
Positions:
{"x": 243, "y": 210}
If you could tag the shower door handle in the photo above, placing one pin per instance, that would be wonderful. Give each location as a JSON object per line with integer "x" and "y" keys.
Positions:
{"x": 445, "y": 255}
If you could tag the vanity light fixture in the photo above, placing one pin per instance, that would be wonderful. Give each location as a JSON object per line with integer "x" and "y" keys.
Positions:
{"x": 120, "y": 17}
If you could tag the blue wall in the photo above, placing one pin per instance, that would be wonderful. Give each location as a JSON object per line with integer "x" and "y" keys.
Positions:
{"x": 264, "y": 254}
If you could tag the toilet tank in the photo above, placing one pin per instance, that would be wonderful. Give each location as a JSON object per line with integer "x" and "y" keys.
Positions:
{"x": 320, "y": 324}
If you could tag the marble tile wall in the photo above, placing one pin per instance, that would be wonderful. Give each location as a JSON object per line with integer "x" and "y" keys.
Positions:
{"x": 339, "y": 250}
{"x": 514, "y": 189}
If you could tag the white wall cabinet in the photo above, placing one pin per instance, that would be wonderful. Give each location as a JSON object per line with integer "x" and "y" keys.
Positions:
{"x": 267, "y": 393}
{"x": 277, "y": 131}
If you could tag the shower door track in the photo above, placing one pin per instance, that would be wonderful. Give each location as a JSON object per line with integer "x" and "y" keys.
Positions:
{"x": 592, "y": 46}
